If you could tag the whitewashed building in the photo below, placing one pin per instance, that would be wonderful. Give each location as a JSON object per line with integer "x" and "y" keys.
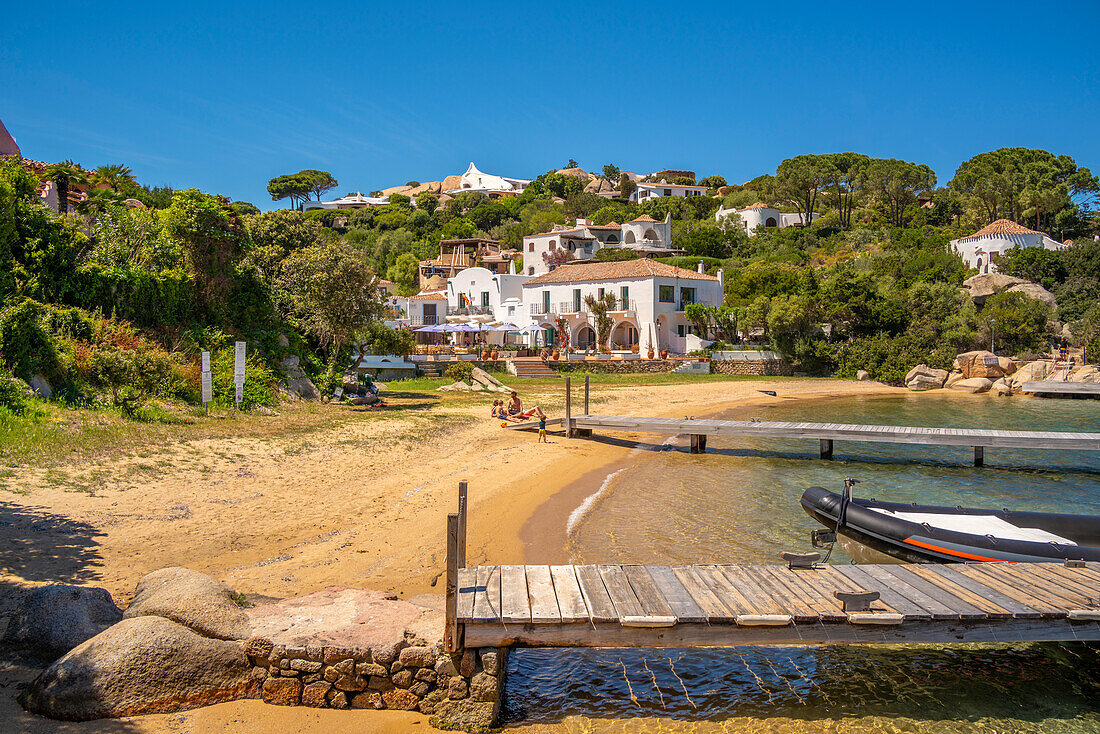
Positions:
{"x": 488, "y": 184}
{"x": 584, "y": 239}
{"x": 351, "y": 201}
{"x": 479, "y": 292}
{"x": 762, "y": 215}
{"x": 647, "y": 191}
{"x": 980, "y": 250}
{"x": 651, "y": 299}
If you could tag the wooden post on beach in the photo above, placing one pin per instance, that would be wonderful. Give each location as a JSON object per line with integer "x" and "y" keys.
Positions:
{"x": 450, "y": 631}
{"x": 586, "y": 394}
{"x": 461, "y": 525}
{"x": 568, "y": 409}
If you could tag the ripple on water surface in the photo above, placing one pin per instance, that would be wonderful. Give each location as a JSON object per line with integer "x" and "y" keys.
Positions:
{"x": 739, "y": 503}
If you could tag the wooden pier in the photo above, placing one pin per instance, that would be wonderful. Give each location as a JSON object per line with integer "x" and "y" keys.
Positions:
{"x": 1062, "y": 389}
{"x": 826, "y": 434}
{"x": 804, "y": 602}
{"x": 730, "y": 605}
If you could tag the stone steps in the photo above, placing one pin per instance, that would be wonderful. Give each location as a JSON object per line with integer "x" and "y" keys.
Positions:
{"x": 530, "y": 369}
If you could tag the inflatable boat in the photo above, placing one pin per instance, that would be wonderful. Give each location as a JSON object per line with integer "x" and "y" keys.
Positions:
{"x": 870, "y": 531}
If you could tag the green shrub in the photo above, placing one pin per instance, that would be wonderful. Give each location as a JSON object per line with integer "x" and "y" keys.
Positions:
{"x": 259, "y": 382}
{"x": 12, "y": 394}
{"x": 888, "y": 359}
{"x": 144, "y": 298}
{"x": 27, "y": 348}
{"x": 131, "y": 376}
{"x": 1092, "y": 352}
{"x": 459, "y": 371}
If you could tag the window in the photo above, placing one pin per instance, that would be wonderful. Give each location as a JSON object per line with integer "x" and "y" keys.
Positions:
{"x": 485, "y": 299}
{"x": 588, "y": 249}
{"x": 576, "y": 300}
{"x": 668, "y": 192}
{"x": 624, "y": 296}
{"x": 599, "y": 293}
{"x": 531, "y": 247}
{"x": 546, "y": 301}
{"x": 553, "y": 244}
{"x": 531, "y": 270}
{"x": 687, "y": 295}
{"x": 680, "y": 330}
{"x": 429, "y": 313}
{"x": 666, "y": 294}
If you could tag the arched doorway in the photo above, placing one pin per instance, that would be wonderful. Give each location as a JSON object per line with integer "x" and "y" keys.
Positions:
{"x": 624, "y": 335}
{"x": 651, "y": 235}
{"x": 629, "y": 238}
{"x": 586, "y": 337}
{"x": 770, "y": 222}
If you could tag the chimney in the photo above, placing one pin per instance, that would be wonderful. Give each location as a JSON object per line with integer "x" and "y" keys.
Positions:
{"x": 701, "y": 267}
{"x": 721, "y": 281}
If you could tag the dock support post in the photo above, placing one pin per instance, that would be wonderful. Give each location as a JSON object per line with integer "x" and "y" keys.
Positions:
{"x": 827, "y": 449}
{"x": 461, "y": 554}
{"x": 586, "y": 394}
{"x": 698, "y": 443}
{"x": 568, "y": 409}
{"x": 979, "y": 456}
{"x": 451, "y": 635}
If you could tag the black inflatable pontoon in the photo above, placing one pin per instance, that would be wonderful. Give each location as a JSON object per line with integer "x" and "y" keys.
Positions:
{"x": 873, "y": 532}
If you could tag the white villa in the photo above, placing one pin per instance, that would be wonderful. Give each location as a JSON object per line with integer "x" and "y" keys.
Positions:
{"x": 488, "y": 184}
{"x": 584, "y": 239}
{"x": 651, "y": 299}
{"x": 646, "y": 191}
{"x": 980, "y": 250}
{"x": 351, "y": 201}
{"x": 762, "y": 215}
{"x": 650, "y": 310}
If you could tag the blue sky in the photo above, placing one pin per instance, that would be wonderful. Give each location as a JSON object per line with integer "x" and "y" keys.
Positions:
{"x": 224, "y": 96}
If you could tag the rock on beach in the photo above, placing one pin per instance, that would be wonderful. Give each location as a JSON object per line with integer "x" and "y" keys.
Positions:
{"x": 51, "y": 620}
{"x": 140, "y": 666}
{"x": 193, "y": 599}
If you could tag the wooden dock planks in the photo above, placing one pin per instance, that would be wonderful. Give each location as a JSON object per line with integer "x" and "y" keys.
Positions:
{"x": 921, "y": 435}
{"x": 720, "y": 604}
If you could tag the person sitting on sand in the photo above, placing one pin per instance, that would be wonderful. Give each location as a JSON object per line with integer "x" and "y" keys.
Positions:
{"x": 515, "y": 409}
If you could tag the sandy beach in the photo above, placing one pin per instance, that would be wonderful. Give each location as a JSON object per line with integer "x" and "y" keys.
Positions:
{"x": 361, "y": 504}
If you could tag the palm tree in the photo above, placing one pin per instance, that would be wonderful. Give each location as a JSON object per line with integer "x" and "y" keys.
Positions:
{"x": 63, "y": 174}
{"x": 98, "y": 200}
{"x": 116, "y": 177}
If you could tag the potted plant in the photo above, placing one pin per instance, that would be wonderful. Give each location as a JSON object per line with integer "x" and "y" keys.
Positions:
{"x": 664, "y": 354}
{"x": 651, "y": 352}
{"x": 557, "y": 354}
{"x": 634, "y": 349}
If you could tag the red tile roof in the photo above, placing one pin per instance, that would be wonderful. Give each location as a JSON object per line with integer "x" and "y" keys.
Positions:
{"x": 643, "y": 218}
{"x": 759, "y": 205}
{"x": 632, "y": 269}
{"x": 1001, "y": 226}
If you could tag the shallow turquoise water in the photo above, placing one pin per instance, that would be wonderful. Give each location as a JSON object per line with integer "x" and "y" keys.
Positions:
{"x": 739, "y": 504}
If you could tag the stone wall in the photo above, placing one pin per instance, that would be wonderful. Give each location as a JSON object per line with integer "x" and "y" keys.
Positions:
{"x": 618, "y": 366}
{"x": 459, "y": 689}
{"x": 763, "y": 367}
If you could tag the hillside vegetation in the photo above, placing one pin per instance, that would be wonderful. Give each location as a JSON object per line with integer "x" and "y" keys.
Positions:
{"x": 110, "y": 305}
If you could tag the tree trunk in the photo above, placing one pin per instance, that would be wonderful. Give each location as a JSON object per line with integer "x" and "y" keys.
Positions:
{"x": 62, "y": 184}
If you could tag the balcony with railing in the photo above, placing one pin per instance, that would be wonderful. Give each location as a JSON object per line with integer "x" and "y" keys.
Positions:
{"x": 570, "y": 307}
{"x": 626, "y": 306}
{"x": 470, "y": 310}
